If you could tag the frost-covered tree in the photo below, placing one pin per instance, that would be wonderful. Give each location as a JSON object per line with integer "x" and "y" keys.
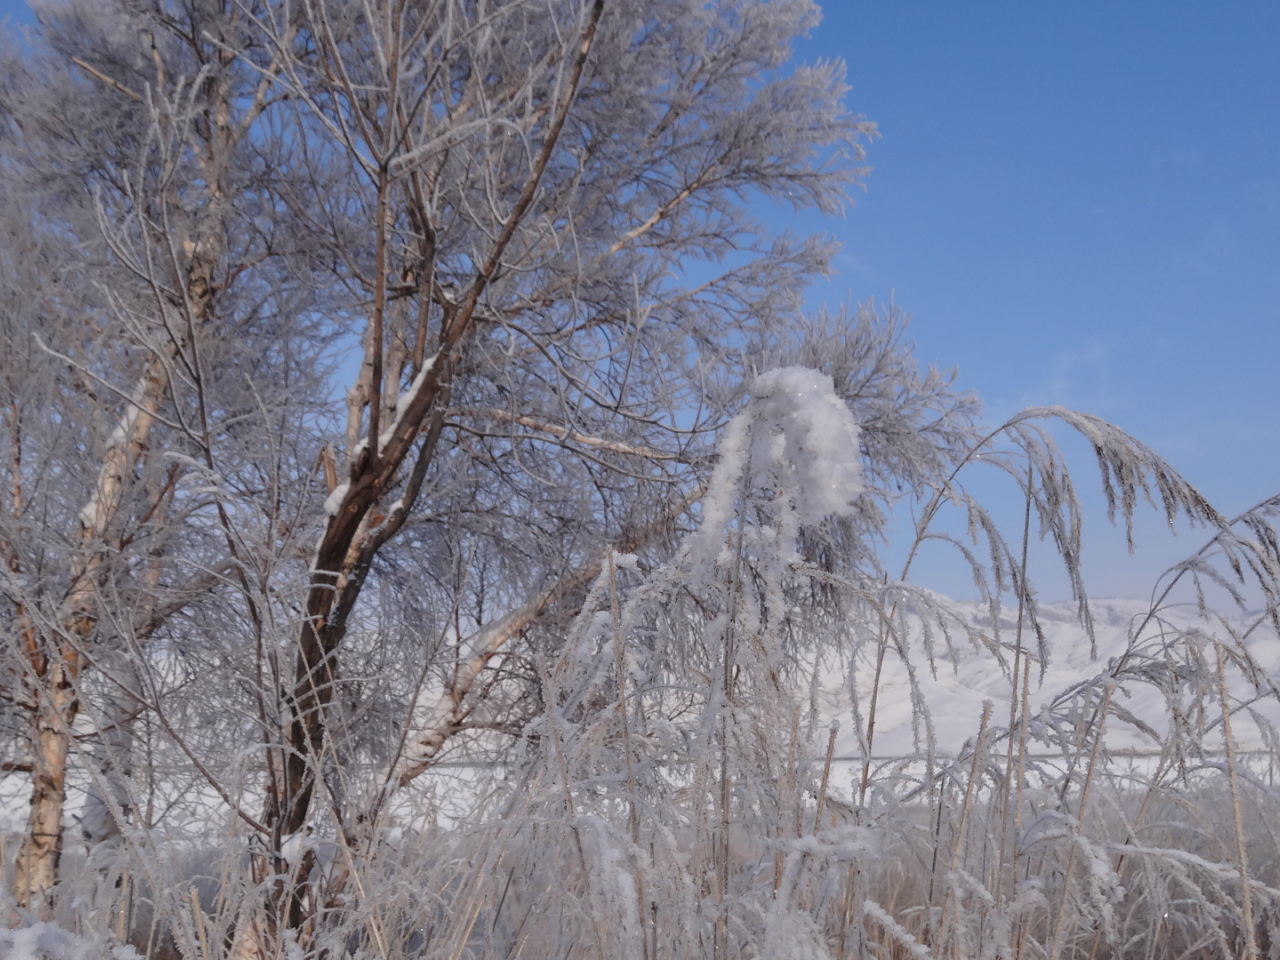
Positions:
{"x": 532, "y": 219}
{"x": 150, "y": 314}
{"x": 394, "y": 382}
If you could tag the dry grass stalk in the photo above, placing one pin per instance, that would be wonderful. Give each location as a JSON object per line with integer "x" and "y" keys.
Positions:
{"x": 826, "y": 776}
{"x": 1100, "y": 724}
{"x": 632, "y": 816}
{"x": 947, "y": 940}
{"x": 1242, "y": 853}
{"x": 1007, "y": 798}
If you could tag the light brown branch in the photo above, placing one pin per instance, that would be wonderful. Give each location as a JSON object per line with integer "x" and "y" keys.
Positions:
{"x": 451, "y": 710}
{"x": 564, "y": 433}
{"x": 113, "y": 84}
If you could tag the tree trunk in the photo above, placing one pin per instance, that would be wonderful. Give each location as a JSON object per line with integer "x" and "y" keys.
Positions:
{"x": 56, "y": 662}
{"x": 108, "y": 802}
{"x": 41, "y": 851}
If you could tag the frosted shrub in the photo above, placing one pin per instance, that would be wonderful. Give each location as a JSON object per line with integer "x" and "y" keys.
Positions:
{"x": 677, "y": 778}
{"x": 673, "y": 723}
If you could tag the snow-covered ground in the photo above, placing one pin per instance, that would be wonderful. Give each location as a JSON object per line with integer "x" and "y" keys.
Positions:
{"x": 966, "y": 676}
{"x": 955, "y": 696}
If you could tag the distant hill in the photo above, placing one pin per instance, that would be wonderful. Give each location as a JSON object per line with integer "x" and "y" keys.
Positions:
{"x": 967, "y": 673}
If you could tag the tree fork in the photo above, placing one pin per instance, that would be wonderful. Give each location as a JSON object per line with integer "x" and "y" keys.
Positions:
{"x": 348, "y": 545}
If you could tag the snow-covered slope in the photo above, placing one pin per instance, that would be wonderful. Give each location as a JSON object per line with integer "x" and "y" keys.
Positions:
{"x": 972, "y": 674}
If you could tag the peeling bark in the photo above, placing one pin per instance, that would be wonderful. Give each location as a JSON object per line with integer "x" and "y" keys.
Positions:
{"x": 41, "y": 852}
{"x": 61, "y": 652}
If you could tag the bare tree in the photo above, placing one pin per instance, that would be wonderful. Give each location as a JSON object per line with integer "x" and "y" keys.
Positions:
{"x": 520, "y": 187}
{"x": 132, "y": 148}
{"x": 533, "y": 217}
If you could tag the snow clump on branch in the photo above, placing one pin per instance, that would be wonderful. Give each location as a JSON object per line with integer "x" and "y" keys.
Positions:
{"x": 796, "y": 441}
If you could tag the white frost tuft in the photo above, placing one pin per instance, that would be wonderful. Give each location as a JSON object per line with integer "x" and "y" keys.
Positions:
{"x": 796, "y": 438}
{"x": 801, "y": 423}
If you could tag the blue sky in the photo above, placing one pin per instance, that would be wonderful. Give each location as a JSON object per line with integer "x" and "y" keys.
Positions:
{"x": 1078, "y": 204}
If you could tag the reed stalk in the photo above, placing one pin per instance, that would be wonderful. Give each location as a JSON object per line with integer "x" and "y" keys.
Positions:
{"x": 1242, "y": 853}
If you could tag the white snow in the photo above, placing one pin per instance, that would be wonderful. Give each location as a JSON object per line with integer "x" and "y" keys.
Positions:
{"x": 807, "y": 426}
{"x": 406, "y": 398}
{"x": 47, "y": 941}
{"x": 954, "y": 698}
{"x": 293, "y": 846}
{"x": 334, "y": 501}
{"x": 796, "y": 437}
{"x": 402, "y": 404}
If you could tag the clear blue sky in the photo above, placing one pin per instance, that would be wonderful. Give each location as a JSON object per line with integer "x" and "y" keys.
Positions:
{"x": 1079, "y": 203}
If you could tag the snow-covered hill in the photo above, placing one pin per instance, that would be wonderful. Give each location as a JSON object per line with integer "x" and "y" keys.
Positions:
{"x": 969, "y": 673}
